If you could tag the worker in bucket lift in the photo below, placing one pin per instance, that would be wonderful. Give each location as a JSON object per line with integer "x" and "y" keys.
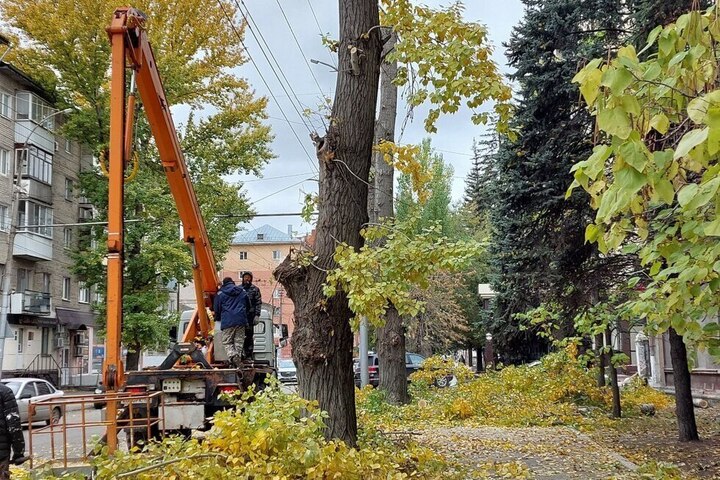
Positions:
{"x": 253, "y": 292}
{"x": 233, "y": 309}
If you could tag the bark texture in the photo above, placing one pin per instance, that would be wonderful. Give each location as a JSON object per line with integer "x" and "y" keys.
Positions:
{"x": 322, "y": 340}
{"x": 600, "y": 356}
{"x": 684, "y": 408}
{"x": 391, "y": 336}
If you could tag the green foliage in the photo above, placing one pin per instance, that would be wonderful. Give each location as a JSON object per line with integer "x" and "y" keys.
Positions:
{"x": 654, "y": 179}
{"x": 374, "y": 276}
{"x": 537, "y": 248}
{"x": 445, "y": 60}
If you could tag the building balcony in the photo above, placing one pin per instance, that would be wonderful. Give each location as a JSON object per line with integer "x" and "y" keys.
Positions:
{"x": 30, "y": 302}
{"x": 36, "y": 190}
{"x": 33, "y": 247}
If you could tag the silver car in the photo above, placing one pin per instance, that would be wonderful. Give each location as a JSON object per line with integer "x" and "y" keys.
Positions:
{"x": 30, "y": 390}
{"x": 287, "y": 373}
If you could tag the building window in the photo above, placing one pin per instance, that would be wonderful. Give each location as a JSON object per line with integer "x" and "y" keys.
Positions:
{"x": 23, "y": 279}
{"x": 31, "y": 336}
{"x": 261, "y": 236}
{"x": 276, "y": 255}
{"x": 68, "y": 189}
{"x": 277, "y": 293}
{"x": 5, "y": 104}
{"x": 68, "y": 145}
{"x": 36, "y": 163}
{"x": 32, "y": 107}
{"x": 67, "y": 237}
{"x": 46, "y": 283}
{"x": 20, "y": 337}
{"x": 83, "y": 293}
{"x": 4, "y": 218}
{"x": 243, "y": 255}
{"x": 35, "y": 217}
{"x": 4, "y": 161}
{"x": 66, "y": 288}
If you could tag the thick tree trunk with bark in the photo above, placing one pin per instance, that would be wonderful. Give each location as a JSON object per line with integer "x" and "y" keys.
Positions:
{"x": 391, "y": 336}
{"x": 323, "y": 341}
{"x": 684, "y": 408}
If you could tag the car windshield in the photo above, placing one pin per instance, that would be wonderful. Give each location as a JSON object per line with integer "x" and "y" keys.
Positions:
{"x": 14, "y": 386}
{"x": 286, "y": 364}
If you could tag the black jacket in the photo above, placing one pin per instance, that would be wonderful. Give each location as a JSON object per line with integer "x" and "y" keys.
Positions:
{"x": 253, "y": 294}
{"x": 11, "y": 435}
{"x": 232, "y": 307}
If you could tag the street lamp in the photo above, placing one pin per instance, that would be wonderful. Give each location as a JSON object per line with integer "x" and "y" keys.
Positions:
{"x": 12, "y": 232}
{"x": 489, "y": 354}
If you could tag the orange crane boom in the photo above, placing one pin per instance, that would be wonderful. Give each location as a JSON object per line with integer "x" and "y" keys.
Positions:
{"x": 131, "y": 50}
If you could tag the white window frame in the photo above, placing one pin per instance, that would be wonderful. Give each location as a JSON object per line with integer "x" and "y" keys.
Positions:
{"x": 68, "y": 237}
{"x": 243, "y": 255}
{"x": 28, "y": 217}
{"x": 66, "y": 286}
{"x": 4, "y": 218}
{"x": 68, "y": 145}
{"x": 4, "y": 162}
{"x": 83, "y": 293}
{"x": 69, "y": 188}
{"x": 277, "y": 255}
{"x": 5, "y": 104}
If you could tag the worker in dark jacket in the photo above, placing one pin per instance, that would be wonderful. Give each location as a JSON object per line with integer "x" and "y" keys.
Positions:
{"x": 253, "y": 293}
{"x": 232, "y": 309}
{"x": 11, "y": 435}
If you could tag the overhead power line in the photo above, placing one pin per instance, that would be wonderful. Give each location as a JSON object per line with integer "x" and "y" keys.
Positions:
{"x": 257, "y": 68}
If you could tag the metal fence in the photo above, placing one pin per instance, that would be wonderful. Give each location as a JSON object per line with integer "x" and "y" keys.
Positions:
{"x": 68, "y": 442}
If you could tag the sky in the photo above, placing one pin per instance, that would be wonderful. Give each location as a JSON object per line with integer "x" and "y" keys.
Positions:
{"x": 287, "y": 178}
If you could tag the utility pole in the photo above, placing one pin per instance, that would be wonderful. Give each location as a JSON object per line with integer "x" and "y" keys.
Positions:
{"x": 364, "y": 373}
{"x": 12, "y": 232}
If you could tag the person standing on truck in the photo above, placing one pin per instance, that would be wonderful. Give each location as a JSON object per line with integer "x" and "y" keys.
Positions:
{"x": 11, "y": 435}
{"x": 253, "y": 292}
{"x": 232, "y": 308}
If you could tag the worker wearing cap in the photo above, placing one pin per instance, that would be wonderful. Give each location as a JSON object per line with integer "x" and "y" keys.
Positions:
{"x": 232, "y": 307}
{"x": 253, "y": 293}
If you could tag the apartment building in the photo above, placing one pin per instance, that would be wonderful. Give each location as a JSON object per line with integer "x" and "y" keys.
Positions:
{"x": 51, "y": 324}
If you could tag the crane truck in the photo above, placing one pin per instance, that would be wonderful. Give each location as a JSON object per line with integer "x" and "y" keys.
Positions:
{"x": 191, "y": 388}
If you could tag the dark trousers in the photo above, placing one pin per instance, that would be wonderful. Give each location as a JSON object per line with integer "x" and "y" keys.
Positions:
{"x": 248, "y": 344}
{"x": 5, "y": 469}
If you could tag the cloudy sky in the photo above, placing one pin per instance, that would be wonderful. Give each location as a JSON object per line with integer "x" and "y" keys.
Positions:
{"x": 275, "y": 25}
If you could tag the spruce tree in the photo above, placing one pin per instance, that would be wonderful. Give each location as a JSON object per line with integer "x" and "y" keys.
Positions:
{"x": 539, "y": 250}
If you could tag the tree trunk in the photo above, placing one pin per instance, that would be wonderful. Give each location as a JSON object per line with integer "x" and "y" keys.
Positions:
{"x": 391, "y": 357}
{"x": 600, "y": 359}
{"x": 132, "y": 360}
{"x": 684, "y": 408}
{"x": 479, "y": 364}
{"x": 615, "y": 387}
{"x": 322, "y": 340}
{"x": 391, "y": 336}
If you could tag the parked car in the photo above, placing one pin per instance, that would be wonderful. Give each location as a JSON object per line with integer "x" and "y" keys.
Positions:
{"x": 413, "y": 362}
{"x": 287, "y": 373}
{"x": 30, "y": 390}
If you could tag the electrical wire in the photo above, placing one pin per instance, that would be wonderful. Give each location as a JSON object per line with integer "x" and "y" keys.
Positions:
{"x": 312, "y": 74}
{"x": 322, "y": 34}
{"x": 268, "y": 54}
{"x": 257, "y": 68}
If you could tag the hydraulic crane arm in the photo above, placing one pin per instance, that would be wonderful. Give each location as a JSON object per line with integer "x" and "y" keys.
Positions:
{"x": 131, "y": 49}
